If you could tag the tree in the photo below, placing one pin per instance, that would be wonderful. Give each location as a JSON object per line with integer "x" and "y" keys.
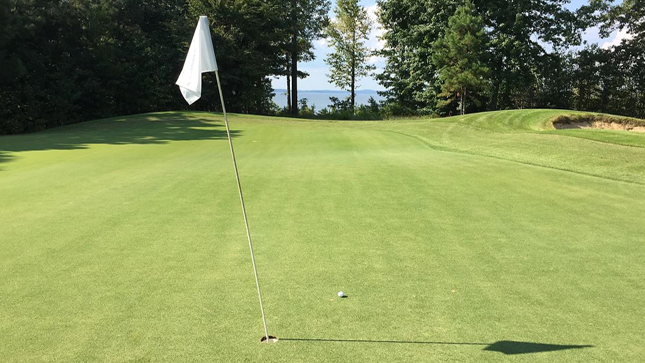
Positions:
{"x": 306, "y": 21}
{"x": 609, "y": 80}
{"x": 554, "y": 88}
{"x": 459, "y": 56}
{"x": 65, "y": 61}
{"x": 518, "y": 33}
{"x": 347, "y": 34}
{"x": 518, "y": 36}
{"x": 285, "y": 70}
{"x": 629, "y": 16}
{"x": 411, "y": 28}
{"x": 248, "y": 37}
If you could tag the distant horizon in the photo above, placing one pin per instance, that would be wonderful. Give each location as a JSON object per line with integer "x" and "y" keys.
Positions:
{"x": 330, "y": 90}
{"x": 321, "y": 98}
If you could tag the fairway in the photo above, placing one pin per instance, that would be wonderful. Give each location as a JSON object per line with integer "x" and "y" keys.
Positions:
{"x": 485, "y": 238}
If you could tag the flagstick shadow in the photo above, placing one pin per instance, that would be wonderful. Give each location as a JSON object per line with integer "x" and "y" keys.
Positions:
{"x": 508, "y": 347}
{"x": 378, "y": 341}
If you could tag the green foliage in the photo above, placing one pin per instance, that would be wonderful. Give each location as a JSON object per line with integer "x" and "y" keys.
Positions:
{"x": 341, "y": 105}
{"x": 66, "y": 61}
{"x": 306, "y": 111}
{"x": 629, "y": 56}
{"x": 78, "y": 60}
{"x": 347, "y": 34}
{"x": 611, "y": 80}
{"x": 343, "y": 110}
{"x": 411, "y": 28}
{"x": 340, "y": 109}
{"x": 247, "y": 36}
{"x": 524, "y": 72}
{"x": 304, "y": 21}
{"x": 553, "y": 87}
{"x": 629, "y": 15}
{"x": 459, "y": 58}
{"x": 518, "y": 35}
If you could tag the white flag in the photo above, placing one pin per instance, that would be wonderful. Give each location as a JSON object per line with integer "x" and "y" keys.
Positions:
{"x": 200, "y": 59}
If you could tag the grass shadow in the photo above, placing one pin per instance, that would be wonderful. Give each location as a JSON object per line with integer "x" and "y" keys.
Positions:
{"x": 508, "y": 347}
{"x": 153, "y": 128}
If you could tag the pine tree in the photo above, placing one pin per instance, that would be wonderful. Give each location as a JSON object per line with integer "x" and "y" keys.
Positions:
{"x": 459, "y": 57}
{"x": 347, "y": 34}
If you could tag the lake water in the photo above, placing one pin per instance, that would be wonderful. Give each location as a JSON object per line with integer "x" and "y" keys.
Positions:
{"x": 321, "y": 98}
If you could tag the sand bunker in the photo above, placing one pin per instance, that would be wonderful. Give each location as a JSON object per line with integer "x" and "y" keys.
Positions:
{"x": 598, "y": 122}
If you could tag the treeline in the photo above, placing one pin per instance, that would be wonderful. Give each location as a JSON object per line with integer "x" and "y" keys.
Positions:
{"x": 507, "y": 55}
{"x": 65, "y": 61}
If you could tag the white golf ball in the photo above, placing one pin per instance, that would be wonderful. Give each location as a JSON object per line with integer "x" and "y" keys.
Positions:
{"x": 341, "y": 294}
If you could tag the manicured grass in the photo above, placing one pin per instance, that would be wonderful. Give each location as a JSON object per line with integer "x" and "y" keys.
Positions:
{"x": 121, "y": 240}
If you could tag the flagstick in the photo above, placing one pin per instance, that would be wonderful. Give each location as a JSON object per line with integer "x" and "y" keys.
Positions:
{"x": 246, "y": 221}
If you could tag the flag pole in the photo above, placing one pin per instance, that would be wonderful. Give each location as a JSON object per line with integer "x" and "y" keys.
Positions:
{"x": 266, "y": 337}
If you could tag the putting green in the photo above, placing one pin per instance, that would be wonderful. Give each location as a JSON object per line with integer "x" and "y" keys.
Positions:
{"x": 487, "y": 237}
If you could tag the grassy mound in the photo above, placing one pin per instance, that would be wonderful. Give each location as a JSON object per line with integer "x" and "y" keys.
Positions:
{"x": 528, "y": 137}
{"x": 541, "y": 121}
{"x": 457, "y": 239}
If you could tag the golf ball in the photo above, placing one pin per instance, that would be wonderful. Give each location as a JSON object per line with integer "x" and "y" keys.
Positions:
{"x": 341, "y": 294}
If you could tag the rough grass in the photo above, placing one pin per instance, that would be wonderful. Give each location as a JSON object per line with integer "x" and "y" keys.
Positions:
{"x": 488, "y": 237}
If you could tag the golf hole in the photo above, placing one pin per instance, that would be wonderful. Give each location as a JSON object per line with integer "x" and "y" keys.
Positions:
{"x": 269, "y": 339}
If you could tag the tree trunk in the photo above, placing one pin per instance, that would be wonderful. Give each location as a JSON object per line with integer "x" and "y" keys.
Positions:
{"x": 353, "y": 88}
{"x": 353, "y": 80}
{"x": 463, "y": 102}
{"x": 288, "y": 88}
{"x": 294, "y": 59}
{"x": 294, "y": 80}
{"x": 493, "y": 102}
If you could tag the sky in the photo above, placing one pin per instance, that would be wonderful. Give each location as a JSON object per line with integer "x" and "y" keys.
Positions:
{"x": 318, "y": 70}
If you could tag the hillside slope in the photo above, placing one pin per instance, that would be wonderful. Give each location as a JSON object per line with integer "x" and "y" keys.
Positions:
{"x": 527, "y": 136}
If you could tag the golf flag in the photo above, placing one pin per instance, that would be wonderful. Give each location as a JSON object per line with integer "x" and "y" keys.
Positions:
{"x": 200, "y": 59}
